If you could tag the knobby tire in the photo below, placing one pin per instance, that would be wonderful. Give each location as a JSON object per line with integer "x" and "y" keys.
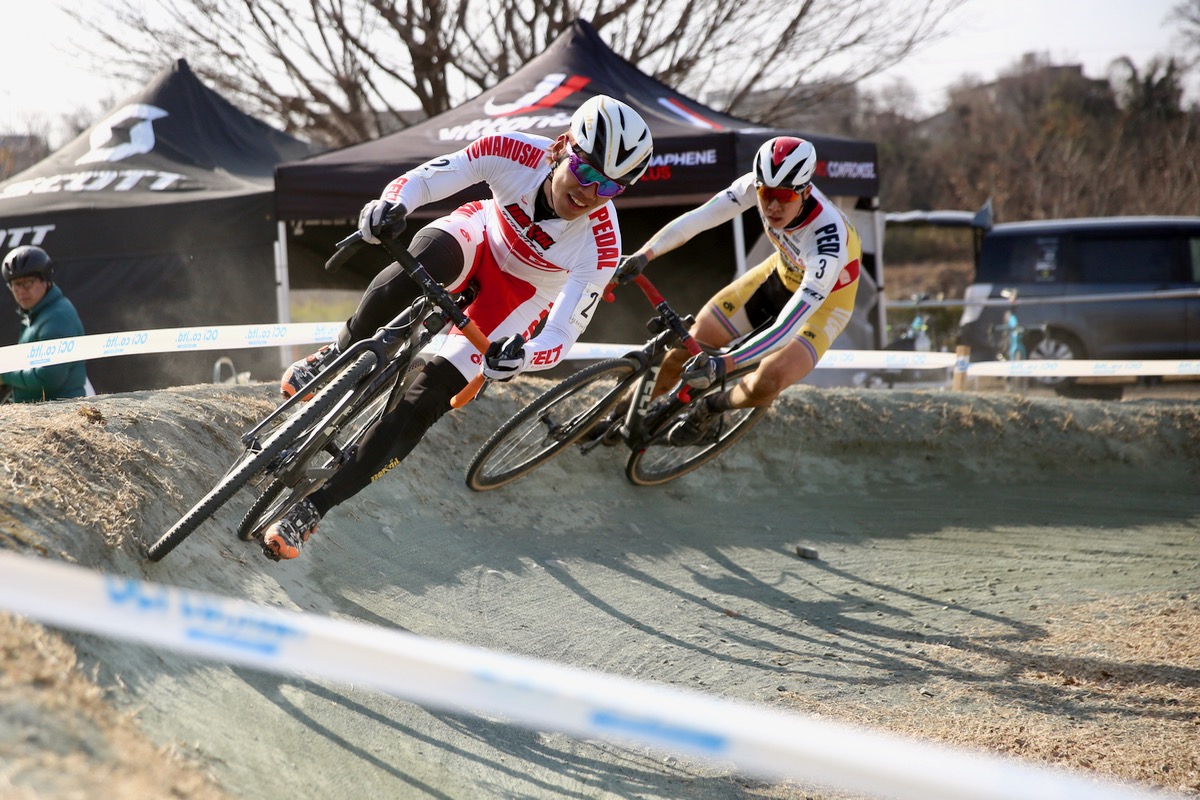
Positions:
{"x": 550, "y": 424}
{"x": 256, "y": 512}
{"x": 660, "y": 462}
{"x": 282, "y": 494}
{"x": 252, "y": 463}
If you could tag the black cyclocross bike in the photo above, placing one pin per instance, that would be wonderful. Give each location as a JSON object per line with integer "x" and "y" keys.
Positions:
{"x": 296, "y": 448}
{"x": 568, "y": 413}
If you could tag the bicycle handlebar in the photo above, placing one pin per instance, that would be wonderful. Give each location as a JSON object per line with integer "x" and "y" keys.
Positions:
{"x": 344, "y": 250}
{"x": 432, "y": 289}
{"x": 668, "y": 314}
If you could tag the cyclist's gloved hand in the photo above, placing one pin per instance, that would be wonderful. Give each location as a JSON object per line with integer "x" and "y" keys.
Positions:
{"x": 702, "y": 371}
{"x": 505, "y": 358}
{"x": 629, "y": 267}
{"x": 381, "y": 219}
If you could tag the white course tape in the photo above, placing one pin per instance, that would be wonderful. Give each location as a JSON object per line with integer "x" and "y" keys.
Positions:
{"x": 239, "y": 337}
{"x": 536, "y": 694}
{"x": 1082, "y": 368}
{"x": 235, "y": 337}
{"x": 885, "y": 359}
{"x": 162, "y": 340}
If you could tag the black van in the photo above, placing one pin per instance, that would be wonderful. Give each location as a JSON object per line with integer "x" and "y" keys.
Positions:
{"x": 1096, "y": 256}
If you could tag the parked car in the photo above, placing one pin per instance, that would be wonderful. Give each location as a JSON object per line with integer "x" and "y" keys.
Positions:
{"x": 1072, "y": 258}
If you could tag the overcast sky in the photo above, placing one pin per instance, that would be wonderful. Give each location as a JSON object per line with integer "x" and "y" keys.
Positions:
{"x": 42, "y": 75}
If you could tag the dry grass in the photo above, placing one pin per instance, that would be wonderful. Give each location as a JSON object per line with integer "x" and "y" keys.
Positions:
{"x": 95, "y": 471}
{"x": 939, "y": 280}
{"x": 67, "y": 462}
{"x": 76, "y": 745}
{"x": 1112, "y": 688}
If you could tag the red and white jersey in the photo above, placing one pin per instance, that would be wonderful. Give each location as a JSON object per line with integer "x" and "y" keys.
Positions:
{"x": 566, "y": 264}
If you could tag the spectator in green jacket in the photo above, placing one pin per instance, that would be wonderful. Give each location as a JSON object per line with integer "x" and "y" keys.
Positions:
{"x": 47, "y": 314}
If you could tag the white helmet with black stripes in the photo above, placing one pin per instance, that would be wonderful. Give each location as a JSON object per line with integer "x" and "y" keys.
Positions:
{"x": 613, "y": 138}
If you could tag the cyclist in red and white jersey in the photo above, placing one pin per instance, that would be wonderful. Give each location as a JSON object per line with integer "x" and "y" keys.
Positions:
{"x": 798, "y": 301}
{"x": 543, "y": 246}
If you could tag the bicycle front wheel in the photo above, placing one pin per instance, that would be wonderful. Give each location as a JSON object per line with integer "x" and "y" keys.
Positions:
{"x": 550, "y": 424}
{"x": 254, "y": 461}
{"x": 659, "y": 461}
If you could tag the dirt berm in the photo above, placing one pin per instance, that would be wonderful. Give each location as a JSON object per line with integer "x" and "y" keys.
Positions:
{"x": 998, "y": 572}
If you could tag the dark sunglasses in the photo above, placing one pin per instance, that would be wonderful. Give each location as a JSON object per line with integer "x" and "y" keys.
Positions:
{"x": 587, "y": 175}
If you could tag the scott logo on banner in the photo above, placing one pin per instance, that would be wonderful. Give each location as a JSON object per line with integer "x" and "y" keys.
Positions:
{"x": 28, "y": 234}
{"x": 127, "y": 132}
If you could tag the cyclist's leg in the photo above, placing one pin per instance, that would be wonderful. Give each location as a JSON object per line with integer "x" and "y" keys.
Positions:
{"x": 393, "y": 437}
{"x": 448, "y": 248}
{"x": 733, "y": 311}
{"x": 504, "y": 305}
{"x": 794, "y": 361}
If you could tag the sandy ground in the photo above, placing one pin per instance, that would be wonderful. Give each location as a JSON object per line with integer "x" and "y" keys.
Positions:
{"x": 1019, "y": 575}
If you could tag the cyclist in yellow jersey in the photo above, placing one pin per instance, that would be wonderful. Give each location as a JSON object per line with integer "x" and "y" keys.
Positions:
{"x": 799, "y": 300}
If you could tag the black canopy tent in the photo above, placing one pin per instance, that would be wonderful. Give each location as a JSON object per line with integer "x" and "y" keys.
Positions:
{"x": 161, "y": 215}
{"x": 697, "y": 152}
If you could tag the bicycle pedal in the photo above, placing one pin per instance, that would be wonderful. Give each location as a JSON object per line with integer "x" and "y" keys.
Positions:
{"x": 257, "y": 538}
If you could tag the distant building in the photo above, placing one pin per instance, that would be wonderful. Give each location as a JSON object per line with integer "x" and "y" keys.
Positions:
{"x": 1032, "y": 82}
{"x": 19, "y": 151}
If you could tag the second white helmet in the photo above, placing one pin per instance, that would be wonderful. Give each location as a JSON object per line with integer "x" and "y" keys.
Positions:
{"x": 785, "y": 161}
{"x": 613, "y": 137}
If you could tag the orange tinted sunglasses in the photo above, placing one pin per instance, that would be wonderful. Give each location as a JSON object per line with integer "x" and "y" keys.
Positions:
{"x": 779, "y": 194}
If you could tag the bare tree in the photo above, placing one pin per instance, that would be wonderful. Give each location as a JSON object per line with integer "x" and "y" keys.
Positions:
{"x": 1044, "y": 141}
{"x": 1187, "y": 15}
{"x": 341, "y": 71}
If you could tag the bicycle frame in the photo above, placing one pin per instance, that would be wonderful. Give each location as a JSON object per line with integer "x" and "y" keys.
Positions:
{"x": 581, "y": 412}
{"x": 283, "y": 446}
{"x": 639, "y": 425}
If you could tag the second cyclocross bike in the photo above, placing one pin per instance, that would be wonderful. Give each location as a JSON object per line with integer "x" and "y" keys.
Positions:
{"x": 568, "y": 414}
{"x": 296, "y": 448}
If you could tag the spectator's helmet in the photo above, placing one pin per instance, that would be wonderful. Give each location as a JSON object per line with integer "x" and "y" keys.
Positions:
{"x": 613, "y": 138}
{"x": 785, "y": 162}
{"x": 27, "y": 260}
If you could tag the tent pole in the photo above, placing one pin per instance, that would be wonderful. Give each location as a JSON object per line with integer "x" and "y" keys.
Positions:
{"x": 739, "y": 247}
{"x": 282, "y": 287}
{"x": 880, "y": 220}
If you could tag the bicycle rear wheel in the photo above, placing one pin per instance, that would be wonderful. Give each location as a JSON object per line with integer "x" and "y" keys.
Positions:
{"x": 659, "y": 461}
{"x": 255, "y": 461}
{"x": 551, "y": 423}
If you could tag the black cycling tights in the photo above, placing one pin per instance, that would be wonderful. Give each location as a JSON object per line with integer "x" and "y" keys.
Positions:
{"x": 391, "y": 439}
{"x": 392, "y": 290}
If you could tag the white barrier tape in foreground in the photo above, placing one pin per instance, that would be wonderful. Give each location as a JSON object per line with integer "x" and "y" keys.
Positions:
{"x": 1082, "y": 368}
{"x": 240, "y": 337}
{"x": 537, "y": 694}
